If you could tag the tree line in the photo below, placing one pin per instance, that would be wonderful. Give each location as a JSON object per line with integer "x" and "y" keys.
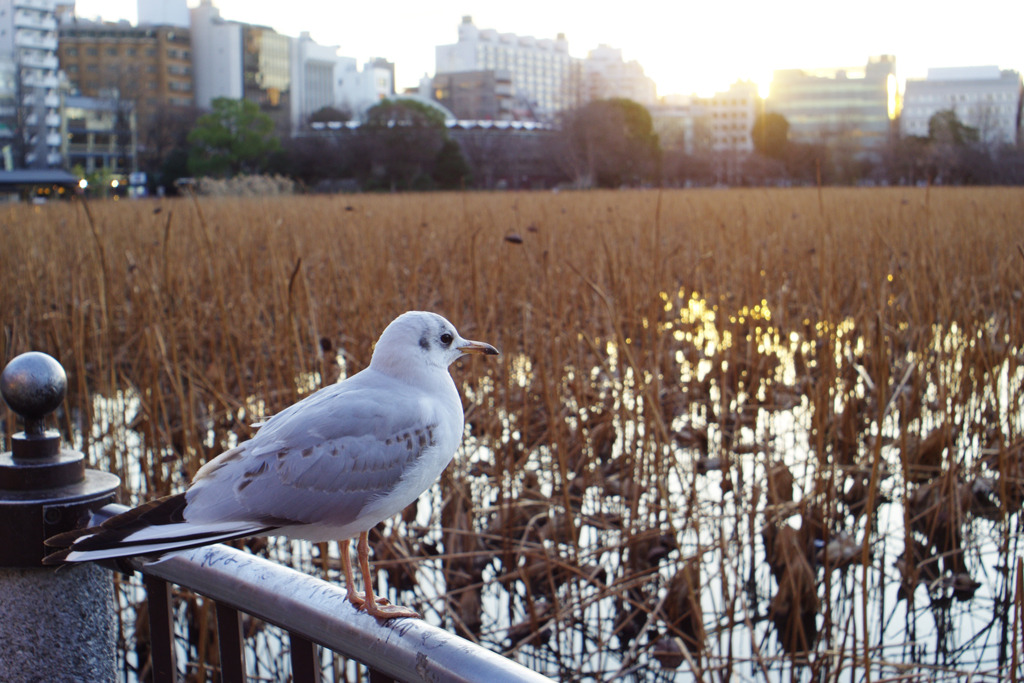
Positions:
{"x": 951, "y": 154}
{"x": 404, "y": 144}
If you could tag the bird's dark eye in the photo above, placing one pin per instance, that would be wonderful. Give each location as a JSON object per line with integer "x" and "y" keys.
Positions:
{"x": 447, "y": 339}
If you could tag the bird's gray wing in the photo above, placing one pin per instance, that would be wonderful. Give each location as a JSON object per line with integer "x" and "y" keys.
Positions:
{"x": 322, "y": 460}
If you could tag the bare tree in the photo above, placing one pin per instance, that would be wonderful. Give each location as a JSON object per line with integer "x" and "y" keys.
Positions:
{"x": 510, "y": 157}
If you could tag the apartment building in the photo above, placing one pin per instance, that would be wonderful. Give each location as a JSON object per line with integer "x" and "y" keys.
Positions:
{"x": 983, "y": 97}
{"x": 30, "y": 118}
{"x": 545, "y": 78}
{"x": 730, "y": 117}
{"x": 680, "y": 123}
{"x": 606, "y": 75}
{"x": 148, "y": 65}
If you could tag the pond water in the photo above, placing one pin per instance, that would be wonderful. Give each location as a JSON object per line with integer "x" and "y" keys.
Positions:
{"x": 762, "y": 506}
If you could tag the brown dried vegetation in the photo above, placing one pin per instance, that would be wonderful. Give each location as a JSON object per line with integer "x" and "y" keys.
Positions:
{"x": 719, "y": 417}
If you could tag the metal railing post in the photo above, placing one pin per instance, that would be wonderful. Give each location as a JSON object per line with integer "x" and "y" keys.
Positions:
{"x": 161, "y": 629}
{"x": 231, "y": 642}
{"x": 54, "y": 625}
{"x": 305, "y": 659}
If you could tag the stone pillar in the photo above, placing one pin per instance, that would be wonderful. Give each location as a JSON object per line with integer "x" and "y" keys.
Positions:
{"x": 55, "y": 625}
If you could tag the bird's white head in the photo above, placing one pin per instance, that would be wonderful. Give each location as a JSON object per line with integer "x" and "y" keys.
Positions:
{"x": 418, "y": 340}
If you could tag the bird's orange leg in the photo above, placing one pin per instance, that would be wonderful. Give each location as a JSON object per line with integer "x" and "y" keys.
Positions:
{"x": 373, "y": 606}
{"x": 357, "y": 598}
{"x": 354, "y": 596}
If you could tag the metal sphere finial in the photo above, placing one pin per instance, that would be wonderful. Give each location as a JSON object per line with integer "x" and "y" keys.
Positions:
{"x": 33, "y": 385}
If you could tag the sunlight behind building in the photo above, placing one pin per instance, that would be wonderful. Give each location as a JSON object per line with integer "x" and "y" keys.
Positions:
{"x": 893, "y": 87}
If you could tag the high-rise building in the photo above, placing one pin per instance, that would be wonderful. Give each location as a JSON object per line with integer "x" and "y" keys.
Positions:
{"x": 853, "y": 108}
{"x": 29, "y": 95}
{"x": 267, "y": 73}
{"x": 982, "y": 97}
{"x": 151, "y": 66}
{"x": 313, "y": 80}
{"x": 217, "y": 46}
{"x": 606, "y": 74}
{"x": 545, "y": 78}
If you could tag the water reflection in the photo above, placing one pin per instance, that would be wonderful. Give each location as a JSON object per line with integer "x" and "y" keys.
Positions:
{"x": 816, "y": 502}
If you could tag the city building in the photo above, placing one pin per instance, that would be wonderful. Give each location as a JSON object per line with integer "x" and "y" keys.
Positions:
{"x": 313, "y": 78}
{"x": 606, "y": 75}
{"x": 29, "y": 84}
{"x": 241, "y": 61}
{"x": 100, "y": 135}
{"x": 681, "y": 124}
{"x": 730, "y": 117}
{"x": 361, "y": 89}
{"x": 545, "y": 78}
{"x": 12, "y": 141}
{"x": 290, "y": 78}
{"x": 476, "y": 95}
{"x": 150, "y": 66}
{"x": 982, "y": 97}
{"x": 383, "y": 76}
{"x": 217, "y": 46}
{"x": 847, "y": 108}
{"x": 322, "y": 79}
{"x": 64, "y": 8}
{"x": 163, "y": 13}
{"x": 267, "y": 73}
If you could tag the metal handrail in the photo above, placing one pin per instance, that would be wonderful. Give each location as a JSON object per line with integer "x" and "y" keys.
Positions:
{"x": 315, "y": 611}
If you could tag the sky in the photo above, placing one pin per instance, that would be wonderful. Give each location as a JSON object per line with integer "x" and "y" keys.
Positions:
{"x": 686, "y": 47}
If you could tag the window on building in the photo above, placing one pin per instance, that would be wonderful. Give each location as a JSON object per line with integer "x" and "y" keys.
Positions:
{"x": 111, "y": 51}
{"x": 92, "y": 51}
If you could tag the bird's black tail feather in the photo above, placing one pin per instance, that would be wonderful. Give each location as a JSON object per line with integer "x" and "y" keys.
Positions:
{"x": 153, "y": 528}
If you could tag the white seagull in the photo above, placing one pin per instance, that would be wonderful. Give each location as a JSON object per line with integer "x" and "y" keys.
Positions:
{"x": 329, "y": 467}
